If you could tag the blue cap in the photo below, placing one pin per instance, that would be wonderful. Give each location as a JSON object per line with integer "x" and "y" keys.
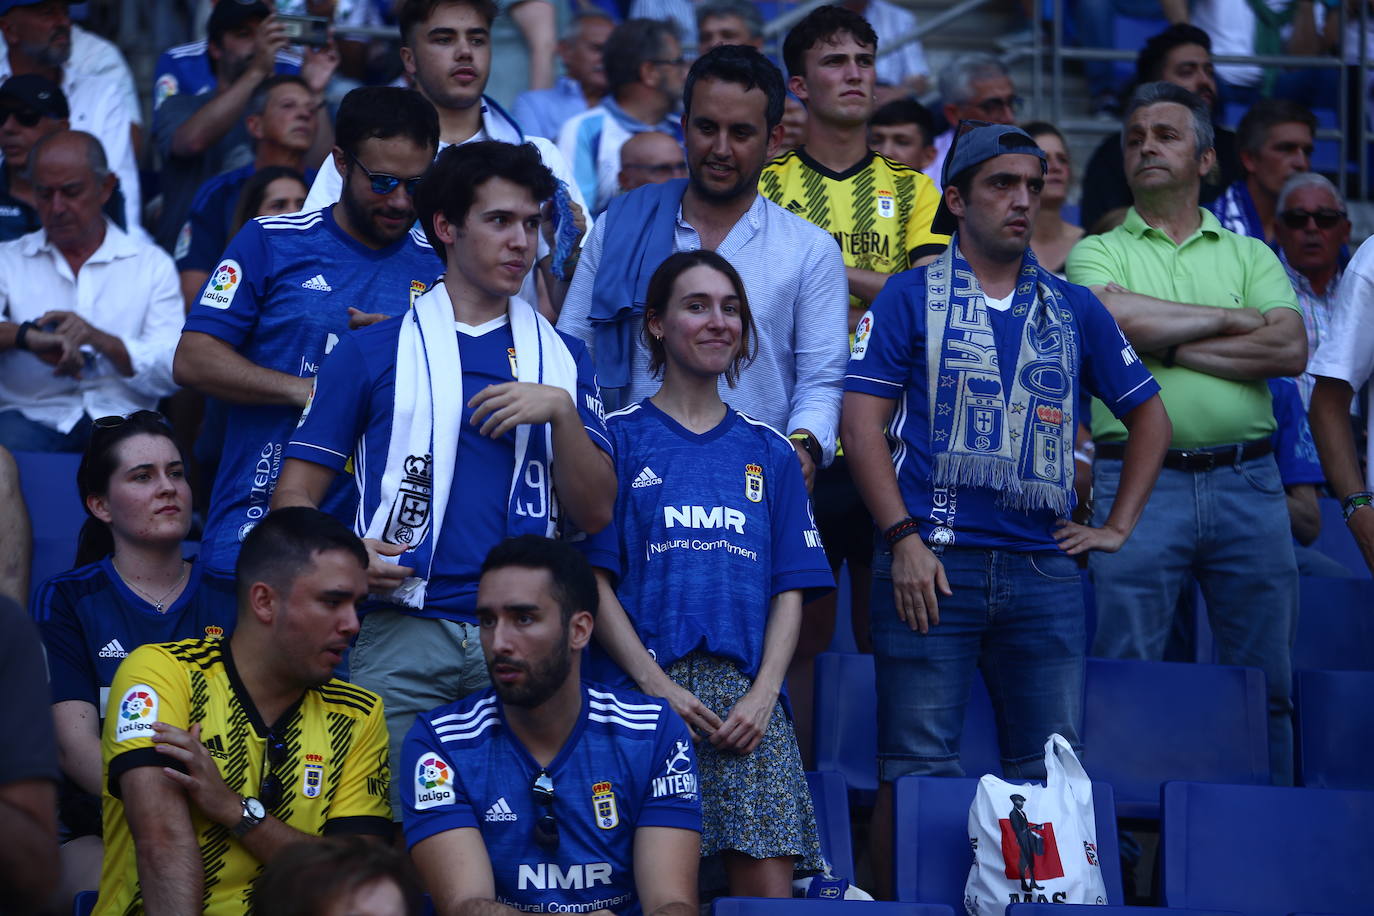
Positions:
{"x": 7, "y": 5}
{"x": 974, "y": 147}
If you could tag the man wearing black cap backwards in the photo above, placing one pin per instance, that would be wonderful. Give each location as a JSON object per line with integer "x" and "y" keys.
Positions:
{"x": 974, "y": 365}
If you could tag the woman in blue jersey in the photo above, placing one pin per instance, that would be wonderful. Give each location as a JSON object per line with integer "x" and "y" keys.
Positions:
{"x": 717, "y": 545}
{"x": 131, "y": 586}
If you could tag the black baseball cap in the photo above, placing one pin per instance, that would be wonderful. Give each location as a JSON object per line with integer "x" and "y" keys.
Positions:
{"x": 35, "y": 93}
{"x": 228, "y": 15}
{"x": 977, "y": 143}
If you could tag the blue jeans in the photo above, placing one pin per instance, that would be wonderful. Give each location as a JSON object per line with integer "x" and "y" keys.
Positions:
{"x": 20, "y": 434}
{"x": 1017, "y": 616}
{"x": 1228, "y": 529}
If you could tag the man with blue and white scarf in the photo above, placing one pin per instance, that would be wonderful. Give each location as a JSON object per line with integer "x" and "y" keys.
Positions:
{"x": 976, "y": 367}
{"x": 466, "y": 421}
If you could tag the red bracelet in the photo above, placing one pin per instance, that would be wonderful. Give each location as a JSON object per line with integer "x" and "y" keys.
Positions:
{"x": 906, "y": 527}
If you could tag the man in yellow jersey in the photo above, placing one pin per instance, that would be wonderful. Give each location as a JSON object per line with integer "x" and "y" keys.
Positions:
{"x": 879, "y": 211}
{"x": 219, "y": 753}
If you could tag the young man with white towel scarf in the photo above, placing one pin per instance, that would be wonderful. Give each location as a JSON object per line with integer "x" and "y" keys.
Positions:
{"x": 445, "y": 471}
{"x": 975, "y": 365}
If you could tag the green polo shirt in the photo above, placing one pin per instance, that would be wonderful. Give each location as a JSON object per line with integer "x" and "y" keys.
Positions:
{"x": 1215, "y": 267}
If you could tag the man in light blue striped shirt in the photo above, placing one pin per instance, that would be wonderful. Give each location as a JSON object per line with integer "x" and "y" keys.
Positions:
{"x": 792, "y": 270}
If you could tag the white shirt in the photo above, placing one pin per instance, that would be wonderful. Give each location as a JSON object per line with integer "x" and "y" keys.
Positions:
{"x": 97, "y": 106}
{"x": 128, "y": 288}
{"x": 93, "y": 55}
{"x": 793, "y": 273}
{"x": 942, "y": 143}
{"x": 890, "y": 22}
{"x": 1231, "y": 26}
{"x": 1346, "y": 350}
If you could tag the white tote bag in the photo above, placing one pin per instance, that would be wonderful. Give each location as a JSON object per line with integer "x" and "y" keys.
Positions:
{"x": 1034, "y": 844}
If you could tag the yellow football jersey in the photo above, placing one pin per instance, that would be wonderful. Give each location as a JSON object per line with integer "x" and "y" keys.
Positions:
{"x": 878, "y": 211}
{"x": 333, "y": 775}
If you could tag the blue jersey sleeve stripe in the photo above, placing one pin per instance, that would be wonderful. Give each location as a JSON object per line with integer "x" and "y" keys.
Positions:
{"x": 1145, "y": 381}
{"x": 473, "y": 732}
{"x": 612, "y": 698}
{"x": 480, "y": 708}
{"x": 615, "y": 709}
{"x": 600, "y": 439}
{"x": 661, "y": 816}
{"x": 611, "y": 719}
{"x": 876, "y": 381}
{"x": 296, "y": 443}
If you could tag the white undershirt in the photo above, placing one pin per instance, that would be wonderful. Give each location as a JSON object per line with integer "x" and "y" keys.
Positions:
{"x": 999, "y": 305}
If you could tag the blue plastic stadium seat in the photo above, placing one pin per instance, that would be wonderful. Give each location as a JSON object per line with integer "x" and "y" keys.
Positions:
{"x": 1083, "y": 909}
{"x": 758, "y": 906}
{"x": 931, "y": 855}
{"x": 1148, "y": 722}
{"x": 1335, "y": 541}
{"x": 846, "y": 728}
{"x": 1129, "y": 34}
{"x": 1266, "y": 850}
{"x": 1335, "y": 625}
{"x": 84, "y": 903}
{"x": 831, "y": 801}
{"x": 1335, "y": 729}
{"x": 48, "y": 482}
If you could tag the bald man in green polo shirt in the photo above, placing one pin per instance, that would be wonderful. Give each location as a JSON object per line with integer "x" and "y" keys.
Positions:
{"x": 1213, "y": 316}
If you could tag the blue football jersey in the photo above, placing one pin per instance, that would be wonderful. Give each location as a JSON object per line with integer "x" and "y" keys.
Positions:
{"x": 889, "y": 361}
{"x": 186, "y": 69}
{"x": 280, "y": 296}
{"x": 91, "y": 620}
{"x": 351, "y": 416}
{"x": 628, "y": 763}
{"x": 711, "y": 527}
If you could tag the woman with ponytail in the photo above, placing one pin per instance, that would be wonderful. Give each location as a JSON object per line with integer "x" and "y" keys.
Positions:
{"x": 131, "y": 586}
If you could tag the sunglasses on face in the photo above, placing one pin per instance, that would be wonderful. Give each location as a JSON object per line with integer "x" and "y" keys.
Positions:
{"x": 546, "y": 828}
{"x": 270, "y": 793}
{"x": 383, "y": 183}
{"x": 26, "y": 116}
{"x": 115, "y": 421}
{"x": 1324, "y": 218}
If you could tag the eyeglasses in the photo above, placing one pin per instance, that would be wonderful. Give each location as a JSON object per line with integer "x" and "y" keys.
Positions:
{"x": 270, "y": 792}
{"x": 27, "y": 117}
{"x": 546, "y": 828}
{"x": 383, "y": 183}
{"x": 1325, "y": 218}
{"x": 990, "y": 107}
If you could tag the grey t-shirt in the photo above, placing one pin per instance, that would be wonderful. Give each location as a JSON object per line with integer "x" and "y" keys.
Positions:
{"x": 182, "y": 176}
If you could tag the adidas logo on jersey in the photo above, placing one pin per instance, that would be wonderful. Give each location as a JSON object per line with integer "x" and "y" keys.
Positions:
{"x": 646, "y": 478}
{"x": 214, "y": 745}
{"x": 500, "y": 812}
{"x": 795, "y": 206}
{"x": 318, "y": 282}
{"x": 113, "y": 649}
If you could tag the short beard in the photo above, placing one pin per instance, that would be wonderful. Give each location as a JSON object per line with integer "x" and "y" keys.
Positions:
{"x": 48, "y": 55}
{"x": 728, "y": 195}
{"x": 361, "y": 219}
{"x": 542, "y": 681}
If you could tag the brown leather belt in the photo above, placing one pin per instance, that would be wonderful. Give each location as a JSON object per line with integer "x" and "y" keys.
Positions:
{"x": 1197, "y": 459}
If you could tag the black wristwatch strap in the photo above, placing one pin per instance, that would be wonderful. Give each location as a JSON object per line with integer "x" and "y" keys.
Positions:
{"x": 21, "y": 337}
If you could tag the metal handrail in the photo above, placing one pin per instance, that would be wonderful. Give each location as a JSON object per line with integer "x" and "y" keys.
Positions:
{"x": 933, "y": 24}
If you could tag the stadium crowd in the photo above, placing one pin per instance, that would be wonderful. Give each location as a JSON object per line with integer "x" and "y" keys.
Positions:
{"x": 470, "y": 456}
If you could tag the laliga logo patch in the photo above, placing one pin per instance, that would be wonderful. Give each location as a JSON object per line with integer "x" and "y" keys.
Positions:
{"x": 223, "y": 283}
{"x": 887, "y": 207}
{"x": 861, "y": 334}
{"x": 603, "y": 803}
{"x": 183, "y": 246}
{"x": 165, "y": 88}
{"x": 314, "y": 776}
{"x": 433, "y": 782}
{"x": 753, "y": 483}
{"x": 137, "y": 713}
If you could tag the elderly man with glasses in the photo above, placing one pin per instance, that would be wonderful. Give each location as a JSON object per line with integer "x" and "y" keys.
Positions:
{"x": 545, "y": 793}
{"x": 973, "y": 87}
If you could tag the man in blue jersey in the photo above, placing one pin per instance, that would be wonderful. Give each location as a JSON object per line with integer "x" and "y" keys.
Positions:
{"x": 973, "y": 367}
{"x": 190, "y": 68}
{"x": 459, "y": 437}
{"x": 545, "y": 793}
{"x": 288, "y": 287}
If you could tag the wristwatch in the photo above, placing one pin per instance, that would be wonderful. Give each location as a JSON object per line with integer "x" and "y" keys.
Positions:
{"x": 1356, "y": 501}
{"x": 253, "y": 814}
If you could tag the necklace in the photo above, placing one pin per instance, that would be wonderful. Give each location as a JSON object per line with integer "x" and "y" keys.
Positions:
{"x": 157, "y": 603}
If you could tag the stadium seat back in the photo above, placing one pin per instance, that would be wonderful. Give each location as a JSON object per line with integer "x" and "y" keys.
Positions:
{"x": 48, "y": 482}
{"x": 1335, "y": 729}
{"x": 931, "y": 856}
{"x": 1148, "y": 722}
{"x": 758, "y": 906}
{"x": 830, "y": 798}
{"x": 1266, "y": 850}
{"x": 84, "y": 903}
{"x": 1335, "y": 625}
{"x": 1084, "y": 909}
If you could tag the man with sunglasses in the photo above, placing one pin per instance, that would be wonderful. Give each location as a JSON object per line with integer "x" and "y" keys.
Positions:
{"x": 547, "y": 793}
{"x": 288, "y": 287}
{"x": 218, "y": 753}
{"x": 31, "y": 108}
{"x": 644, "y": 75}
{"x": 1213, "y": 316}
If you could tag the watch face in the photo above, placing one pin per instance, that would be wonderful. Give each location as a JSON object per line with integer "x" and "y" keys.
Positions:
{"x": 254, "y": 808}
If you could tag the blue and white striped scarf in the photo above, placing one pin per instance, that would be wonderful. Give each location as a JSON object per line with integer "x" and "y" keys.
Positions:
{"x": 1020, "y": 444}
